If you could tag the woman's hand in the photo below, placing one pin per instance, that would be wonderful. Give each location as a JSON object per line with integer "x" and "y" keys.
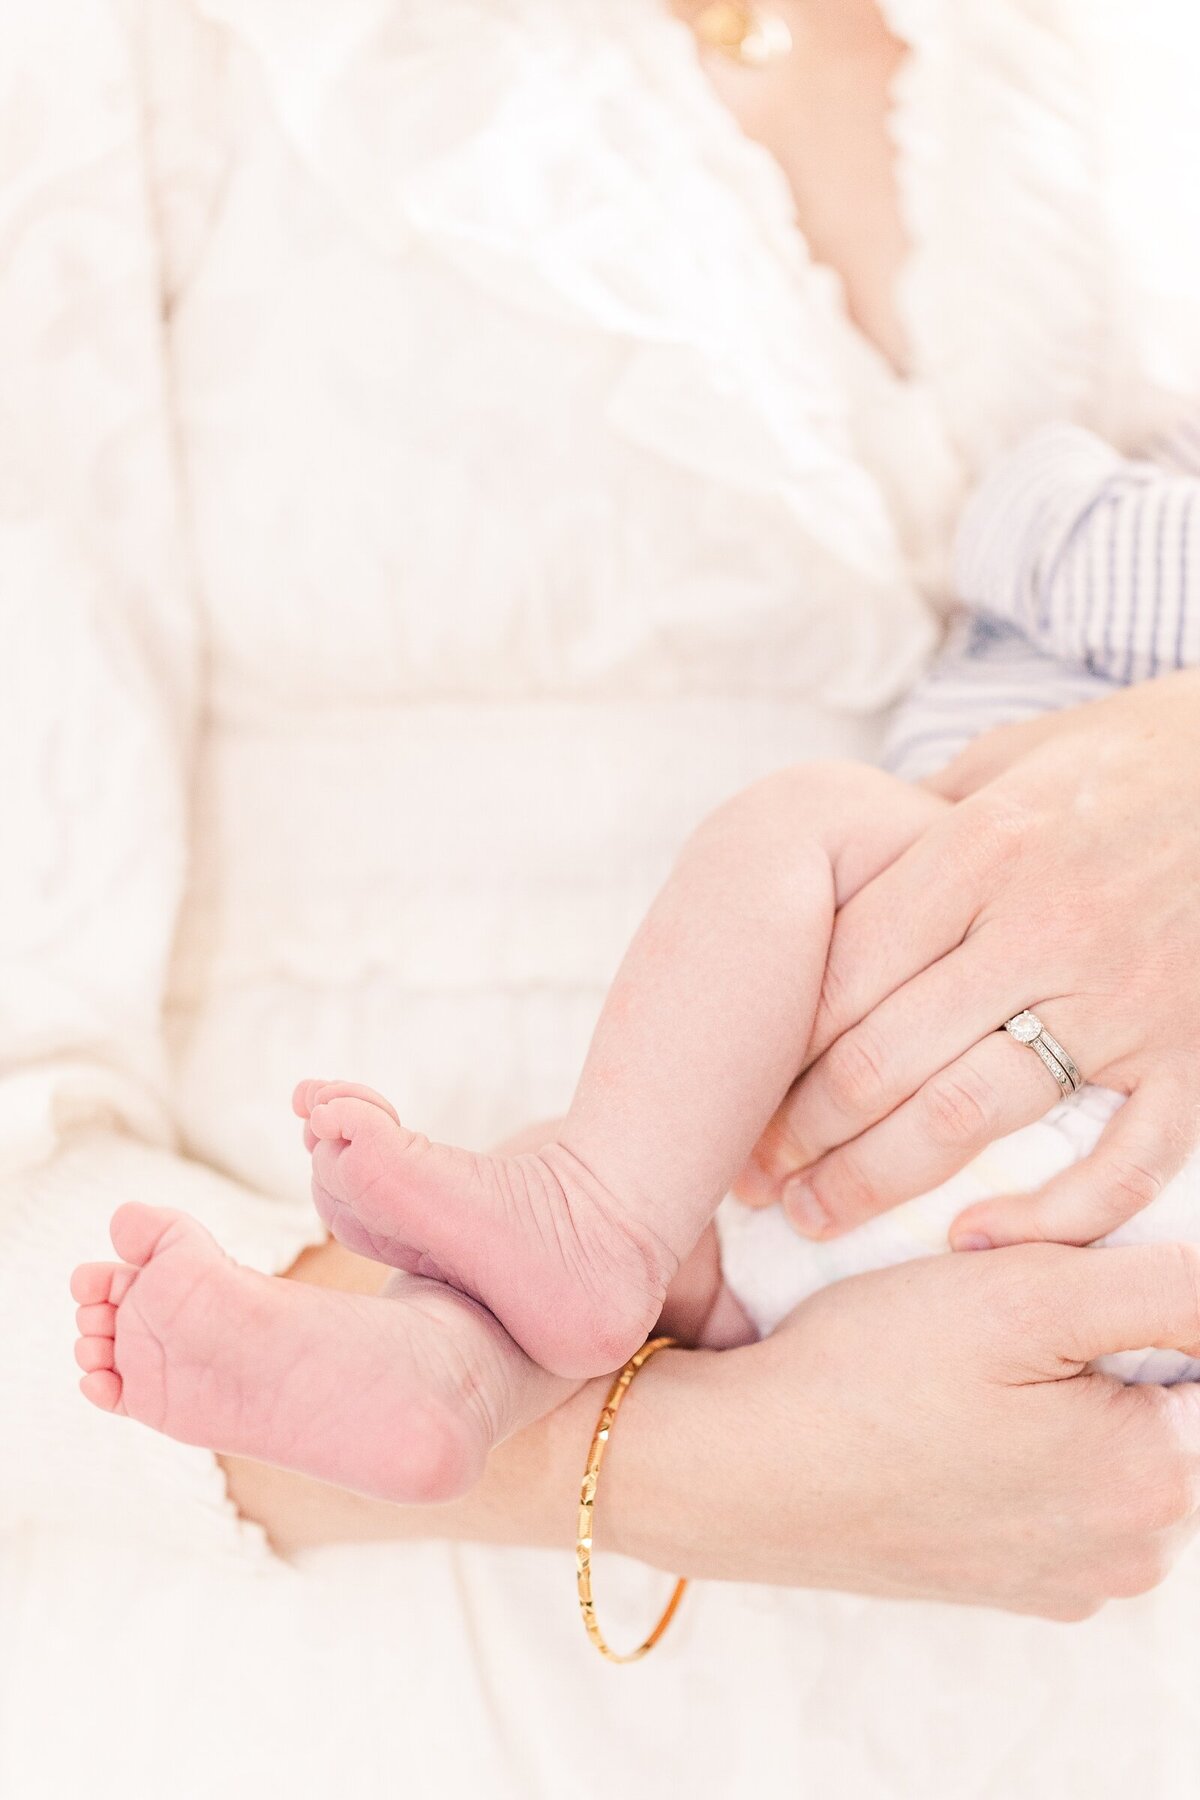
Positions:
{"x": 1066, "y": 880}
{"x": 926, "y": 1431}
{"x": 923, "y": 1431}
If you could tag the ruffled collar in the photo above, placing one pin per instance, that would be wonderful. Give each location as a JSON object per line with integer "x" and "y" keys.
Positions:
{"x": 544, "y": 181}
{"x": 990, "y": 117}
{"x": 531, "y": 144}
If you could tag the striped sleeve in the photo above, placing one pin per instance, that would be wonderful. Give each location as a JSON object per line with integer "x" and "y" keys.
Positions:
{"x": 1093, "y": 557}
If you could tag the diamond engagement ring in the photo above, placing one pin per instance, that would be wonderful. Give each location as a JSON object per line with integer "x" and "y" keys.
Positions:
{"x": 1027, "y": 1028}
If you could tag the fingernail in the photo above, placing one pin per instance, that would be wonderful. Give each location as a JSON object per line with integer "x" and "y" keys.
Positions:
{"x": 803, "y": 1210}
{"x": 972, "y": 1240}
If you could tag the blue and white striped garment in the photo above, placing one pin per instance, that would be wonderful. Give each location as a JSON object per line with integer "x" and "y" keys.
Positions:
{"x": 1080, "y": 570}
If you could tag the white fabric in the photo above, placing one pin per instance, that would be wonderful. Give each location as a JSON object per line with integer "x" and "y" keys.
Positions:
{"x": 431, "y": 473}
{"x": 771, "y": 1269}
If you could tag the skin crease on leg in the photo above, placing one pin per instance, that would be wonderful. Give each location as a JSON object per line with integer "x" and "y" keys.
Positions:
{"x": 521, "y": 1274}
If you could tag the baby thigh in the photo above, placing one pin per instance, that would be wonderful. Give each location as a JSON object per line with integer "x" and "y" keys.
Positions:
{"x": 747, "y": 918}
{"x": 749, "y": 909}
{"x": 707, "y": 1022}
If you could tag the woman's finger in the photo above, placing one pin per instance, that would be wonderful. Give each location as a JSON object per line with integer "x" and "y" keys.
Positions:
{"x": 1144, "y": 1144}
{"x": 992, "y": 1090}
{"x": 878, "y": 1064}
{"x": 1112, "y": 1299}
{"x": 920, "y": 906}
{"x": 988, "y": 756}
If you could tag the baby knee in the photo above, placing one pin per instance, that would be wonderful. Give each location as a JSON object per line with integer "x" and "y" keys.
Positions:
{"x": 798, "y": 809}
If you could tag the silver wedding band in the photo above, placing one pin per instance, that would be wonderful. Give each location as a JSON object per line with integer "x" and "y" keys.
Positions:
{"x": 1028, "y": 1029}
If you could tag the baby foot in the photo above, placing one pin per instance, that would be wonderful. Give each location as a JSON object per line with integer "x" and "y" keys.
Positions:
{"x": 401, "y": 1397}
{"x": 535, "y": 1237}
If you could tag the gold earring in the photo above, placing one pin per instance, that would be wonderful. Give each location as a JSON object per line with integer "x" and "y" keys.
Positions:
{"x": 749, "y": 35}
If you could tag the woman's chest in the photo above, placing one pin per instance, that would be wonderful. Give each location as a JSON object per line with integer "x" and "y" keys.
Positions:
{"x": 407, "y": 477}
{"x": 505, "y": 410}
{"x": 501, "y": 368}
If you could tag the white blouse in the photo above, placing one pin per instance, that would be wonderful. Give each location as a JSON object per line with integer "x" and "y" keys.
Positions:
{"x": 432, "y": 472}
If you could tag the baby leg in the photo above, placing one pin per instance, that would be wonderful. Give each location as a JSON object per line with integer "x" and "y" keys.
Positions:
{"x": 572, "y": 1246}
{"x": 401, "y": 1396}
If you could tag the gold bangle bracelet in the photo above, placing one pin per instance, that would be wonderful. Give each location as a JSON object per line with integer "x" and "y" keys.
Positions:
{"x": 587, "y": 1503}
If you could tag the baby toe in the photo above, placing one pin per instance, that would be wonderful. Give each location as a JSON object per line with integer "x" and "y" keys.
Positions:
{"x": 137, "y": 1230}
{"x": 325, "y": 1121}
{"x": 354, "y": 1090}
{"x": 350, "y": 1119}
{"x": 304, "y": 1095}
{"x": 94, "y": 1354}
{"x": 92, "y": 1282}
{"x": 103, "y": 1388}
{"x": 98, "y": 1320}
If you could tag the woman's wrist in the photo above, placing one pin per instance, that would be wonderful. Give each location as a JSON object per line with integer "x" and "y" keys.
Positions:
{"x": 650, "y": 1504}
{"x": 705, "y": 1478}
